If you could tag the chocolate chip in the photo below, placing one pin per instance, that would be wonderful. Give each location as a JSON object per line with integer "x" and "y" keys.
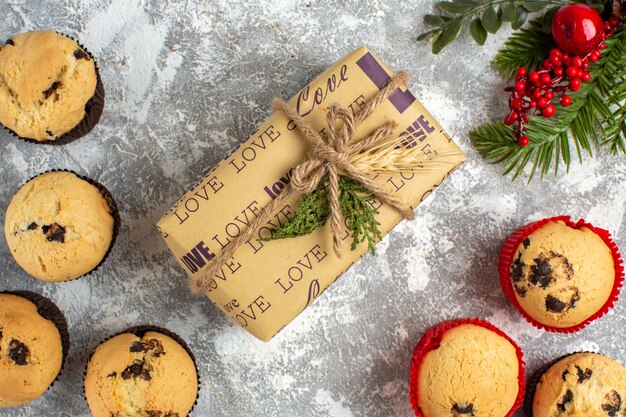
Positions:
{"x": 554, "y": 305}
{"x": 612, "y": 403}
{"x": 136, "y": 347}
{"x": 139, "y": 369}
{"x": 461, "y": 409}
{"x": 18, "y": 352}
{"x": 1, "y": 333}
{"x": 517, "y": 270}
{"x": 32, "y": 226}
{"x": 152, "y": 345}
{"x": 80, "y": 54}
{"x": 49, "y": 133}
{"x": 55, "y": 85}
{"x": 565, "y": 374}
{"x": 583, "y": 375}
{"x": 54, "y": 232}
{"x": 10, "y": 42}
{"x": 112, "y": 375}
{"x": 155, "y": 413}
{"x": 566, "y": 399}
{"x": 526, "y": 243}
{"x": 540, "y": 273}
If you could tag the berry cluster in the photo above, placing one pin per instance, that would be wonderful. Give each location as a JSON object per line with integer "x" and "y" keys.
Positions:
{"x": 535, "y": 91}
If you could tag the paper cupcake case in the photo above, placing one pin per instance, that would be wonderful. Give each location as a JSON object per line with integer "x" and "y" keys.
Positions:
{"x": 49, "y": 311}
{"x": 431, "y": 341}
{"x": 114, "y": 212}
{"x": 93, "y": 110}
{"x": 139, "y": 331}
{"x": 508, "y": 253}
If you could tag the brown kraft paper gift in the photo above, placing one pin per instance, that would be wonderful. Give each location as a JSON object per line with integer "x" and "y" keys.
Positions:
{"x": 266, "y": 284}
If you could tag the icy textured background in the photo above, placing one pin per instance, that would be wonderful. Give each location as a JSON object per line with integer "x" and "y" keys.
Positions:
{"x": 186, "y": 81}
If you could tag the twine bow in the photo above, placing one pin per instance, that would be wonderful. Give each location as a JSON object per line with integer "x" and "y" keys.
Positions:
{"x": 325, "y": 158}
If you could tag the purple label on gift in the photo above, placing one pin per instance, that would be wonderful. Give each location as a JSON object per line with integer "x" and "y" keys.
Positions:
{"x": 400, "y": 99}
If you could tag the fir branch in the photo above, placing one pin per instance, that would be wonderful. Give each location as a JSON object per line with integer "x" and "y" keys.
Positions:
{"x": 597, "y": 109}
{"x": 360, "y": 215}
{"x": 312, "y": 213}
{"x": 481, "y": 17}
{"x": 526, "y": 48}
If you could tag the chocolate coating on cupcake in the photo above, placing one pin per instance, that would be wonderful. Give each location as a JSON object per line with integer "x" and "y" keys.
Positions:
{"x": 473, "y": 372}
{"x": 561, "y": 275}
{"x": 46, "y": 80}
{"x": 31, "y": 351}
{"x": 58, "y": 226}
{"x": 583, "y": 384}
{"x": 151, "y": 376}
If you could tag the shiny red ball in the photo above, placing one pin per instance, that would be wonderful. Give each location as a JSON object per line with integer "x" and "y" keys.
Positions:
{"x": 577, "y": 28}
{"x": 522, "y": 140}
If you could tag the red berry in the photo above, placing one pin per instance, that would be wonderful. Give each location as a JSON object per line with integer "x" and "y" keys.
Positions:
{"x": 542, "y": 102}
{"x": 520, "y": 86}
{"x": 577, "y": 28}
{"x": 532, "y": 104}
{"x": 522, "y": 140}
{"x": 574, "y": 84}
{"x": 576, "y": 62}
{"x": 556, "y": 52}
{"x": 547, "y": 64}
{"x": 565, "y": 101}
{"x": 537, "y": 93}
{"x": 585, "y": 66}
{"x": 548, "y": 111}
{"x": 602, "y": 45}
{"x": 594, "y": 56}
{"x": 521, "y": 72}
{"x": 510, "y": 119}
{"x": 549, "y": 95}
{"x": 558, "y": 72}
{"x": 571, "y": 72}
{"x": 555, "y": 60}
{"x": 533, "y": 76}
{"x": 545, "y": 79}
{"x": 607, "y": 27}
{"x": 585, "y": 76}
{"x": 517, "y": 103}
{"x": 613, "y": 21}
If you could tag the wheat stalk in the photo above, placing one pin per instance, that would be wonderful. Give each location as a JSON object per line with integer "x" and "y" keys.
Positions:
{"x": 392, "y": 156}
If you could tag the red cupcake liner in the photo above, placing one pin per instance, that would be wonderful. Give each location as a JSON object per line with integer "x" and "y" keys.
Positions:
{"x": 507, "y": 254}
{"x": 431, "y": 341}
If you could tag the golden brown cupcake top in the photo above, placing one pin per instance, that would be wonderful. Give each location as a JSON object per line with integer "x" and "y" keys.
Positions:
{"x": 31, "y": 351}
{"x": 58, "y": 226}
{"x": 473, "y": 373}
{"x": 46, "y": 79}
{"x": 561, "y": 275}
{"x": 582, "y": 385}
{"x": 151, "y": 376}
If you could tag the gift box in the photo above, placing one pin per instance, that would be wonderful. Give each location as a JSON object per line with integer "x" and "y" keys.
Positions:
{"x": 265, "y": 284}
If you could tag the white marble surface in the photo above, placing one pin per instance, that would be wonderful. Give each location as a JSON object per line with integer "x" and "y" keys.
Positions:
{"x": 186, "y": 81}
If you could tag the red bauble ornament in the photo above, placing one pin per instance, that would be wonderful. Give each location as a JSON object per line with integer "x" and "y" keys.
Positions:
{"x": 577, "y": 29}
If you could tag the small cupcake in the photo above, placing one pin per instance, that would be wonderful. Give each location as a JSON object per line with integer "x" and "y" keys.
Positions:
{"x": 33, "y": 345}
{"x": 51, "y": 90}
{"x": 561, "y": 275}
{"x": 141, "y": 374}
{"x": 60, "y": 227}
{"x": 466, "y": 368}
{"x": 582, "y": 384}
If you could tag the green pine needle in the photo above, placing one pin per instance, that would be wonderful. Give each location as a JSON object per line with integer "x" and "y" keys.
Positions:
{"x": 596, "y": 115}
{"x": 314, "y": 212}
{"x": 360, "y": 215}
{"x": 526, "y": 48}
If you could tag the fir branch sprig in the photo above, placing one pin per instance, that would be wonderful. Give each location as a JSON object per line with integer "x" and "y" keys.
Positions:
{"x": 597, "y": 114}
{"x": 484, "y": 17}
{"x": 313, "y": 212}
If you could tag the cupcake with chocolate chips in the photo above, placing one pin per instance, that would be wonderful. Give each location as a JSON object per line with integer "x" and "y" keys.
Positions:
{"x": 466, "y": 368}
{"x": 581, "y": 384}
{"x": 561, "y": 275}
{"x": 143, "y": 373}
{"x": 50, "y": 90}
{"x": 59, "y": 226}
{"x": 33, "y": 345}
